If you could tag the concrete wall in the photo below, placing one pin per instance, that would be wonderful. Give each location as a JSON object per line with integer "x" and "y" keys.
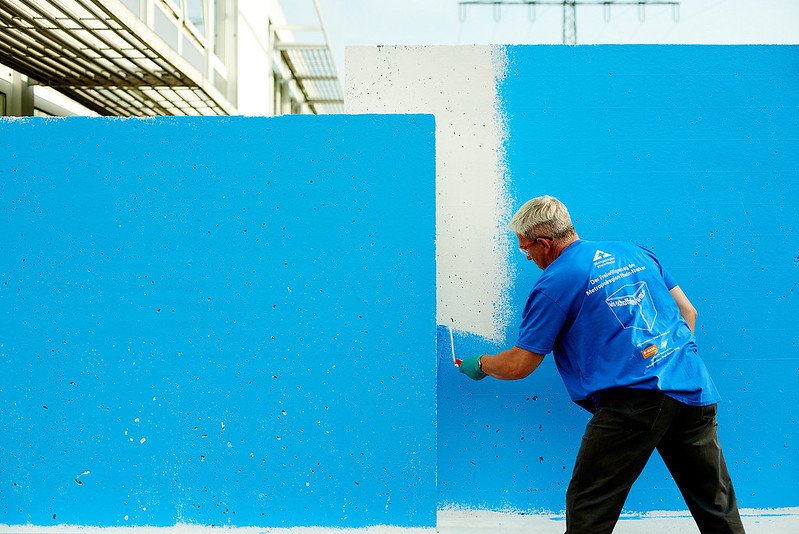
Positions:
{"x": 458, "y": 83}
{"x": 688, "y": 150}
{"x": 217, "y": 322}
{"x": 230, "y": 321}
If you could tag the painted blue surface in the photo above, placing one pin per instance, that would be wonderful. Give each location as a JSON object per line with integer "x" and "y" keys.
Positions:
{"x": 691, "y": 151}
{"x": 218, "y": 321}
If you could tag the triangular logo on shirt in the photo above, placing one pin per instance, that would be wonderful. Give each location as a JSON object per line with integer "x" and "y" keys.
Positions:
{"x": 601, "y": 255}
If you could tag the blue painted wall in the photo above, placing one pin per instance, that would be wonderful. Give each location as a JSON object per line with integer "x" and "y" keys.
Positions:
{"x": 693, "y": 152}
{"x": 218, "y": 321}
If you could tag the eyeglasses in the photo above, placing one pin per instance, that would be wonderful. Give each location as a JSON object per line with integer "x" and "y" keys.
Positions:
{"x": 524, "y": 249}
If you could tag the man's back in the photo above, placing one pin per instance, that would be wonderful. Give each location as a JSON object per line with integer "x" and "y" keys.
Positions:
{"x": 605, "y": 311}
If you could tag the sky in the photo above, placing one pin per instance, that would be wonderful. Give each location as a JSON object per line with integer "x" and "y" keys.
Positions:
{"x": 444, "y": 22}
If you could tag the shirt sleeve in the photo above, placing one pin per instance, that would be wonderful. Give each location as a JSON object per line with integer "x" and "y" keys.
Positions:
{"x": 671, "y": 283}
{"x": 542, "y": 321}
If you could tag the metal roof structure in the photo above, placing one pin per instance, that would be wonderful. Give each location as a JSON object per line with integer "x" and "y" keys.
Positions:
{"x": 104, "y": 57}
{"x": 101, "y": 55}
{"x": 312, "y": 67}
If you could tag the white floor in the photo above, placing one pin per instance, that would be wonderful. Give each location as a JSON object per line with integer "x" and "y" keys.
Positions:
{"x": 778, "y": 521}
{"x": 783, "y": 521}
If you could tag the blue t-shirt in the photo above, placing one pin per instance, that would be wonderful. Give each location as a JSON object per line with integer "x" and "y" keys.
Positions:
{"x": 604, "y": 310}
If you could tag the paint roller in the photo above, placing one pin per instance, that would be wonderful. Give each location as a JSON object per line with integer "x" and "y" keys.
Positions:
{"x": 457, "y": 362}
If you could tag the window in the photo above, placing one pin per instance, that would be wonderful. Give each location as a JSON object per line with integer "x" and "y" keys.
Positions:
{"x": 2, "y": 104}
{"x": 195, "y": 13}
{"x": 166, "y": 28}
{"x": 133, "y": 5}
{"x": 278, "y": 97}
{"x": 192, "y": 13}
{"x": 220, "y": 28}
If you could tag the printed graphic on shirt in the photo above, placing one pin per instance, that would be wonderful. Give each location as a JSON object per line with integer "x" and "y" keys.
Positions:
{"x": 651, "y": 350}
{"x": 612, "y": 276}
{"x": 603, "y": 258}
{"x": 657, "y": 346}
{"x": 633, "y": 306}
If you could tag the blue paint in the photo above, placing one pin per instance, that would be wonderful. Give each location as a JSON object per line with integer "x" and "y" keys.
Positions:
{"x": 688, "y": 150}
{"x": 218, "y": 321}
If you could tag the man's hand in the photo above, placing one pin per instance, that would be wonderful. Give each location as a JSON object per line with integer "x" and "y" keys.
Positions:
{"x": 471, "y": 367}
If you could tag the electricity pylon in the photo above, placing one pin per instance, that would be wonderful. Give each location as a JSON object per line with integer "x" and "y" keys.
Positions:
{"x": 569, "y": 10}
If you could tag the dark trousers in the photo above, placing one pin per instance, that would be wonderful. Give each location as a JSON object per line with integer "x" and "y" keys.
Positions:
{"x": 629, "y": 424}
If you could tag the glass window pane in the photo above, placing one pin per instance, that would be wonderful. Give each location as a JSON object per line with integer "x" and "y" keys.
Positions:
{"x": 2, "y": 104}
{"x": 220, "y": 31}
{"x": 193, "y": 54}
{"x": 220, "y": 82}
{"x": 278, "y": 98}
{"x": 165, "y": 27}
{"x": 133, "y": 5}
{"x": 196, "y": 14}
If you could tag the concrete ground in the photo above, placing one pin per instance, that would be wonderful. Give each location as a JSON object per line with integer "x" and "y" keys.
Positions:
{"x": 781, "y": 521}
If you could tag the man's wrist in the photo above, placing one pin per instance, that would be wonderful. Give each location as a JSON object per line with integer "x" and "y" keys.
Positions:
{"x": 471, "y": 367}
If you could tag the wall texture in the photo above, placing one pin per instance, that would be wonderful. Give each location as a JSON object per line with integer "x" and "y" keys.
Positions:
{"x": 458, "y": 84}
{"x": 218, "y": 322}
{"x": 688, "y": 150}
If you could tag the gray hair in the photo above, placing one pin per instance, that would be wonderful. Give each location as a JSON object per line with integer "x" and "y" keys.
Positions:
{"x": 543, "y": 216}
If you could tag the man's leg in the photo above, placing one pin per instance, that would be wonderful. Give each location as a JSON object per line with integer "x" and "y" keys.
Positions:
{"x": 616, "y": 446}
{"x": 692, "y": 453}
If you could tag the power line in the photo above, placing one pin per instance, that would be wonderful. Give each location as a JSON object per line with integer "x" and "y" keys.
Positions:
{"x": 569, "y": 10}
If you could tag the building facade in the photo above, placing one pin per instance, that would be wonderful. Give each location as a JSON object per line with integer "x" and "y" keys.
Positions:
{"x": 164, "y": 57}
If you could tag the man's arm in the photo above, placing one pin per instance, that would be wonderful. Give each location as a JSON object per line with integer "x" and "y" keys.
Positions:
{"x": 687, "y": 310}
{"x": 512, "y": 364}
